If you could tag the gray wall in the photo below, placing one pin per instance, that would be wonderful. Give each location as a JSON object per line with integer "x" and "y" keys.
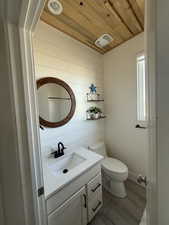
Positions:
{"x": 124, "y": 141}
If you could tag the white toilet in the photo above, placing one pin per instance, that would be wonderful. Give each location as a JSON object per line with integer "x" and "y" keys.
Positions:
{"x": 114, "y": 172}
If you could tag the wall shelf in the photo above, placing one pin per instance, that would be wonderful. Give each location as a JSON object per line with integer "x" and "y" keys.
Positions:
{"x": 58, "y": 98}
{"x": 102, "y": 117}
{"x": 95, "y": 100}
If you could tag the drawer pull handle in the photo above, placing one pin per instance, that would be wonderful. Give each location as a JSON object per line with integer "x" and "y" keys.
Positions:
{"x": 85, "y": 201}
{"x": 94, "y": 189}
{"x": 98, "y": 205}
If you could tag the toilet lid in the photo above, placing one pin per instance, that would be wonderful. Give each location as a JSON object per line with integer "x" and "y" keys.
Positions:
{"x": 114, "y": 165}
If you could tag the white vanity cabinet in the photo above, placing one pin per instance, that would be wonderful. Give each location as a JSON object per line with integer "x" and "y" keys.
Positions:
{"x": 73, "y": 211}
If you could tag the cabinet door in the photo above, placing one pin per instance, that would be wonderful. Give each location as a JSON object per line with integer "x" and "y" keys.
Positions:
{"x": 73, "y": 211}
{"x": 94, "y": 186}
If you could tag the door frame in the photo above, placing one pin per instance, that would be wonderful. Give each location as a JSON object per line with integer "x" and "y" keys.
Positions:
{"x": 21, "y": 167}
{"x": 158, "y": 50}
{"x": 152, "y": 201}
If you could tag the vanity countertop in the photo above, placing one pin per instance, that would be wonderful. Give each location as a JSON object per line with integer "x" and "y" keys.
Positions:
{"x": 54, "y": 182}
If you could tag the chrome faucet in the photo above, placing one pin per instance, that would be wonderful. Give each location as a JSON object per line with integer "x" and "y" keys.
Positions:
{"x": 60, "y": 151}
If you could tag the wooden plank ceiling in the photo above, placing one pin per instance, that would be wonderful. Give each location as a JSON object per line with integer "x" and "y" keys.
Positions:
{"x": 87, "y": 20}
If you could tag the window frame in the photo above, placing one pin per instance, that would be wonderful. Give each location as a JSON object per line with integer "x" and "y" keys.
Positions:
{"x": 141, "y": 121}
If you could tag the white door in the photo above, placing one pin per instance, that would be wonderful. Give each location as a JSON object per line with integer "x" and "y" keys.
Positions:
{"x": 72, "y": 212}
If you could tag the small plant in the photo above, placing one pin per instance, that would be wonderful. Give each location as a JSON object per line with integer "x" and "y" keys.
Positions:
{"x": 94, "y": 110}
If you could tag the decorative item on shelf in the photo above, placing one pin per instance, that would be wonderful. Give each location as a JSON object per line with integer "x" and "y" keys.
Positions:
{"x": 92, "y": 88}
{"x": 93, "y": 96}
{"x": 94, "y": 113}
{"x": 102, "y": 115}
{"x": 98, "y": 97}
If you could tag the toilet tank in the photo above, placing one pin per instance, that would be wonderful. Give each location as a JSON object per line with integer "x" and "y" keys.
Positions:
{"x": 99, "y": 148}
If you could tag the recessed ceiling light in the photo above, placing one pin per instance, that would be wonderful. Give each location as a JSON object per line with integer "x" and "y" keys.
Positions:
{"x": 55, "y": 7}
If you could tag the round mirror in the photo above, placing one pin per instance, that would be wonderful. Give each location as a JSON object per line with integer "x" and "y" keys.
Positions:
{"x": 56, "y": 102}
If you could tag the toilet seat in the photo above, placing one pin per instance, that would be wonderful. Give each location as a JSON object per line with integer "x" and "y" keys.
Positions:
{"x": 115, "y": 167}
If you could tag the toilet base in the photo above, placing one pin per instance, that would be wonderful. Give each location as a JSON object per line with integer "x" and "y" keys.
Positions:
{"x": 116, "y": 188}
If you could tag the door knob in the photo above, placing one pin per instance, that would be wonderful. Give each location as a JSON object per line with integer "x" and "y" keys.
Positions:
{"x": 142, "y": 180}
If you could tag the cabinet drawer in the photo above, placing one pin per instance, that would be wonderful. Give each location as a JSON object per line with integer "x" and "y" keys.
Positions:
{"x": 94, "y": 186}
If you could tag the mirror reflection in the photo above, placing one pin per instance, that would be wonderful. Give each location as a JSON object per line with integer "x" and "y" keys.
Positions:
{"x": 54, "y": 102}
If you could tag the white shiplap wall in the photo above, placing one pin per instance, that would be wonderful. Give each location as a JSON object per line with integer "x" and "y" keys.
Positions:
{"x": 58, "y": 55}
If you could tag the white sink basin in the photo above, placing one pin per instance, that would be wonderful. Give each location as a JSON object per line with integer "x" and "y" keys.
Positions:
{"x": 66, "y": 164}
{"x": 76, "y": 163}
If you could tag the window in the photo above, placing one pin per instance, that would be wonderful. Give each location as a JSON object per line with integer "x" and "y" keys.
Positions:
{"x": 141, "y": 89}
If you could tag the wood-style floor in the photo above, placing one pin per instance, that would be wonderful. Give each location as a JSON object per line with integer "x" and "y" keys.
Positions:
{"x": 127, "y": 211}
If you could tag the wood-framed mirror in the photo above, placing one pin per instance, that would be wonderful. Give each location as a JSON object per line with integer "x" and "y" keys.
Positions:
{"x": 56, "y": 102}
